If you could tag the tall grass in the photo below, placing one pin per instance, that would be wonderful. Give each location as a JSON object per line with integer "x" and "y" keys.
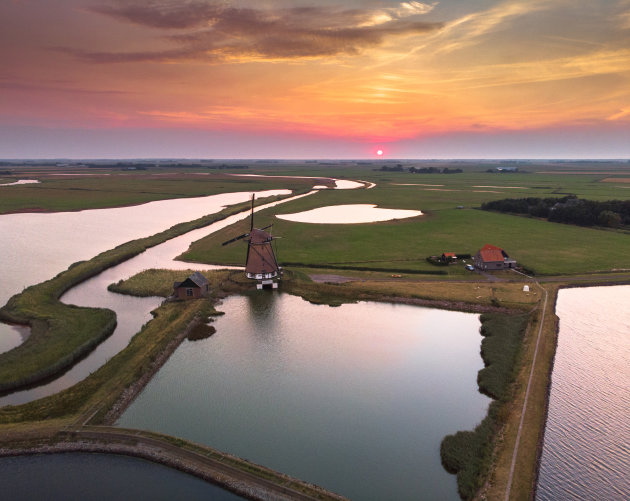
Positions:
{"x": 469, "y": 453}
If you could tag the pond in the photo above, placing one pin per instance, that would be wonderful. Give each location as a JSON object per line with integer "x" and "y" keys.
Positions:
{"x": 100, "y": 477}
{"x": 349, "y": 214}
{"x": 356, "y": 398}
{"x": 20, "y": 181}
{"x": 586, "y": 452}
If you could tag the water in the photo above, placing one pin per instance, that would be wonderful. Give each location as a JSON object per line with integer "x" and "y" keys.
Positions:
{"x": 340, "y": 184}
{"x": 131, "y": 312}
{"x": 355, "y": 398}
{"x": 21, "y": 181}
{"x": 349, "y": 214}
{"x": 586, "y": 453}
{"x": 35, "y": 247}
{"x": 81, "y": 476}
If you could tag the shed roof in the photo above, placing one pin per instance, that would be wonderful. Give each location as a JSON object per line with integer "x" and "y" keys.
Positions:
{"x": 194, "y": 280}
{"x": 491, "y": 253}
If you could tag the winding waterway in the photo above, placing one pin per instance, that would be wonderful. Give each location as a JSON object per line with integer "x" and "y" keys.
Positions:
{"x": 586, "y": 452}
{"x": 131, "y": 312}
{"x": 356, "y": 398}
{"x": 35, "y": 247}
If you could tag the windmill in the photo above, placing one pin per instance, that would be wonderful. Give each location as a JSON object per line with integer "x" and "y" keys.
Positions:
{"x": 261, "y": 261}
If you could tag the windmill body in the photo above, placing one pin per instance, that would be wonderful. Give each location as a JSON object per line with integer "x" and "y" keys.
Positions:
{"x": 261, "y": 263}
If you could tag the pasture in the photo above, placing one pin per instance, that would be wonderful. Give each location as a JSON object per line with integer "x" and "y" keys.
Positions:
{"x": 402, "y": 245}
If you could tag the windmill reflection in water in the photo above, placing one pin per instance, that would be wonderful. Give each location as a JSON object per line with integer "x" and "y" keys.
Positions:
{"x": 261, "y": 263}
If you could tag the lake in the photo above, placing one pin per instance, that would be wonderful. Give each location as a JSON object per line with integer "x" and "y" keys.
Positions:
{"x": 586, "y": 452}
{"x": 355, "y": 398}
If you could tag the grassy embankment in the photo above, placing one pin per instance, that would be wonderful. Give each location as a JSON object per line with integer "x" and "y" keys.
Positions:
{"x": 101, "y": 388}
{"x": 525, "y": 467}
{"x": 62, "y": 333}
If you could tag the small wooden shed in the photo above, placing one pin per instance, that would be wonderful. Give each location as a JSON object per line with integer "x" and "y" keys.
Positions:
{"x": 195, "y": 286}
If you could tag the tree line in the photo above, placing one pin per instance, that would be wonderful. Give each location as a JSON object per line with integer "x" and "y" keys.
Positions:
{"x": 420, "y": 170}
{"x": 568, "y": 210}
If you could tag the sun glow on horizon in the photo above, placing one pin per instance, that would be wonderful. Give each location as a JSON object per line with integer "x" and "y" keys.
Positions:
{"x": 435, "y": 78}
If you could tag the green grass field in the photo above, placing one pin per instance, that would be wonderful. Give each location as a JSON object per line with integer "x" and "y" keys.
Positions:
{"x": 542, "y": 247}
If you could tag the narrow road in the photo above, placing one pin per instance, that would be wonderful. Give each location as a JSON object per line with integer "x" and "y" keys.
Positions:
{"x": 524, "y": 409}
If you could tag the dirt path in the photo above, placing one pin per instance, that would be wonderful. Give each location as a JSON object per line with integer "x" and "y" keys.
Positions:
{"x": 524, "y": 409}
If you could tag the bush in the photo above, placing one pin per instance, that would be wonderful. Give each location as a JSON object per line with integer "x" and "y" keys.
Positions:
{"x": 468, "y": 453}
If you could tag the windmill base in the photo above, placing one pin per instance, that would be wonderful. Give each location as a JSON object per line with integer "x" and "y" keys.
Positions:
{"x": 266, "y": 284}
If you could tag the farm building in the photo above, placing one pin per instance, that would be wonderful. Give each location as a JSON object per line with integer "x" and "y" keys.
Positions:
{"x": 195, "y": 286}
{"x": 491, "y": 257}
{"x": 448, "y": 257}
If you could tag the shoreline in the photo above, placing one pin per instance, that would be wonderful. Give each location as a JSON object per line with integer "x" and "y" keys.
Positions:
{"x": 126, "y": 398}
{"x": 206, "y": 463}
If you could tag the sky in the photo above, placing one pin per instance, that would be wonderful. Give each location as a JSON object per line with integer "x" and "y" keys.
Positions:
{"x": 314, "y": 79}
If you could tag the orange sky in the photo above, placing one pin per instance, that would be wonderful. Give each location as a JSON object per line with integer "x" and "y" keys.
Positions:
{"x": 315, "y": 79}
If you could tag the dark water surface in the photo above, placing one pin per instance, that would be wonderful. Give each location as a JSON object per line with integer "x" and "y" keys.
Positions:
{"x": 586, "y": 453}
{"x": 356, "y": 398}
{"x": 95, "y": 477}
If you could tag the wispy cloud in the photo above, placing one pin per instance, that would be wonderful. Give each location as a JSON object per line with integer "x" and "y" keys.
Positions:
{"x": 216, "y": 31}
{"x": 469, "y": 29}
{"x": 29, "y": 87}
{"x": 623, "y": 114}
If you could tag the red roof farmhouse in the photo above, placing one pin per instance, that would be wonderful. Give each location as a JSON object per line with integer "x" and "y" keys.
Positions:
{"x": 491, "y": 257}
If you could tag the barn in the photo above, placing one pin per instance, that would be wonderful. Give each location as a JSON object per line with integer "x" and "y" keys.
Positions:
{"x": 491, "y": 257}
